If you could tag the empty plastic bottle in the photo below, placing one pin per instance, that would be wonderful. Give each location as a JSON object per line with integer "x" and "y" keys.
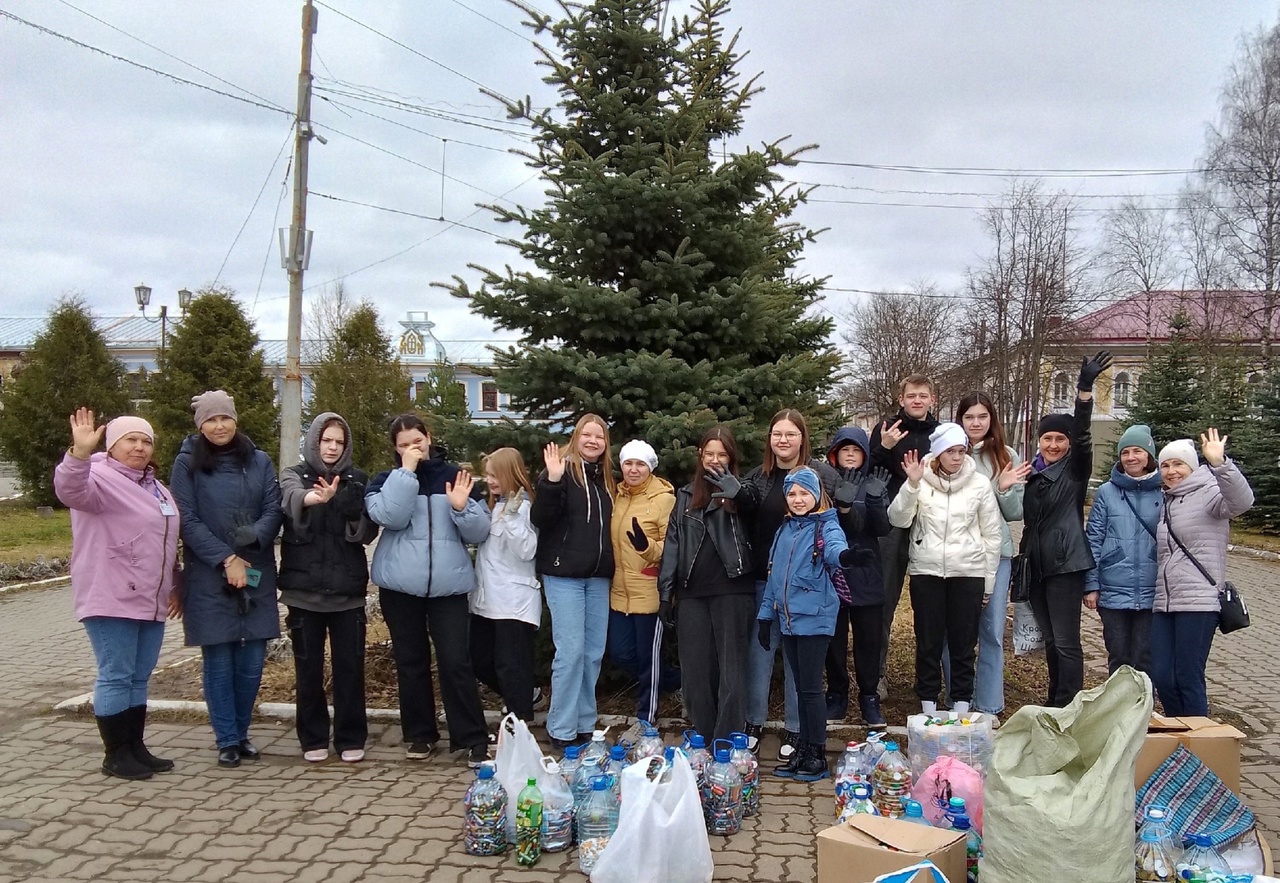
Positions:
{"x": 484, "y": 830}
{"x": 913, "y": 812}
{"x": 597, "y": 820}
{"x": 1200, "y": 858}
{"x": 722, "y": 804}
{"x": 557, "y": 812}
{"x": 972, "y": 846}
{"x": 529, "y": 824}
{"x": 749, "y": 770}
{"x": 890, "y": 781}
{"x": 859, "y": 803}
{"x": 595, "y": 751}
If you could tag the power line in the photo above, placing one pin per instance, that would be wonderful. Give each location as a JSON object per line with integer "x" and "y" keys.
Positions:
{"x": 969, "y": 208}
{"x": 524, "y": 37}
{"x": 978, "y": 193}
{"x": 340, "y": 106}
{"x": 457, "y": 117}
{"x": 978, "y": 171}
{"x": 409, "y": 48}
{"x": 261, "y": 190}
{"x": 157, "y": 71}
{"x": 937, "y": 295}
{"x": 171, "y": 55}
{"x": 396, "y": 211}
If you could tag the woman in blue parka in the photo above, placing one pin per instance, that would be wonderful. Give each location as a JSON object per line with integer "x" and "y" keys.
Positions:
{"x": 1122, "y": 536}
{"x": 227, "y": 493}
{"x": 429, "y": 509}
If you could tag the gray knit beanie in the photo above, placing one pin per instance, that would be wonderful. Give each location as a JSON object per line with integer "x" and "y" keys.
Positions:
{"x": 214, "y": 403}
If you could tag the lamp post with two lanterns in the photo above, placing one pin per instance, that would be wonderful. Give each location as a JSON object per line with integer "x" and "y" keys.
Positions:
{"x": 142, "y": 294}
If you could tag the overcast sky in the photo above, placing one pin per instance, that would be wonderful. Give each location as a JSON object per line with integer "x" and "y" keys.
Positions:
{"x": 114, "y": 175}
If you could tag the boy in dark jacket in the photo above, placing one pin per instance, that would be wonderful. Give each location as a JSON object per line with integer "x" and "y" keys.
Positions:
{"x": 861, "y": 500}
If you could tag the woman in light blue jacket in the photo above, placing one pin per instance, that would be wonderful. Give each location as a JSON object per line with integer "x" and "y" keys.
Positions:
{"x": 1122, "y": 536}
{"x": 429, "y": 509}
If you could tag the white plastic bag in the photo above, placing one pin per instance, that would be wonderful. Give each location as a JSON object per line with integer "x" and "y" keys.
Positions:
{"x": 661, "y": 834}
{"x": 1027, "y": 637}
{"x": 517, "y": 760}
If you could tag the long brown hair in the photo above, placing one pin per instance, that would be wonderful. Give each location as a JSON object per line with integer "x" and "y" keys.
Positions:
{"x": 993, "y": 446}
{"x": 769, "y": 463}
{"x": 702, "y": 489}
{"x": 508, "y": 465}
{"x": 573, "y": 459}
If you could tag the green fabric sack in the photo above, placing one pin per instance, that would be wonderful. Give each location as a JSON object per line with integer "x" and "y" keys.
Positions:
{"x": 1059, "y": 795}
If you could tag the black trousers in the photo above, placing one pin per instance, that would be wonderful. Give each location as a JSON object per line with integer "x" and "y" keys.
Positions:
{"x": 894, "y": 550}
{"x": 1127, "y": 634}
{"x": 864, "y": 622}
{"x": 345, "y": 630}
{"x": 415, "y": 625}
{"x": 1056, "y": 602}
{"x": 807, "y": 655}
{"x": 502, "y": 659}
{"x": 946, "y": 611}
{"x": 714, "y": 635}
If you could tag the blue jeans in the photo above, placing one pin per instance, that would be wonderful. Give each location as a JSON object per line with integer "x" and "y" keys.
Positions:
{"x": 579, "y": 629}
{"x": 635, "y": 646}
{"x": 760, "y": 676}
{"x": 232, "y": 675}
{"x": 126, "y": 651}
{"x": 1180, "y": 644}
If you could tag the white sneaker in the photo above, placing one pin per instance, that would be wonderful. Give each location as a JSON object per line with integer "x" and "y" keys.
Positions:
{"x": 928, "y": 707}
{"x": 352, "y": 755}
{"x": 882, "y": 689}
{"x": 316, "y": 755}
{"x": 961, "y": 708}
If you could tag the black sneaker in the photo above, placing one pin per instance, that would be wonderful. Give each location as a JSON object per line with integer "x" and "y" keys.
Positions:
{"x": 869, "y": 706}
{"x": 477, "y": 755}
{"x": 539, "y": 699}
{"x": 787, "y": 750}
{"x": 753, "y": 732}
{"x": 837, "y": 707}
{"x": 420, "y": 750}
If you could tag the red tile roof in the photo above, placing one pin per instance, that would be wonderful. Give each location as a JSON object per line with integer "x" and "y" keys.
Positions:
{"x": 1230, "y": 313}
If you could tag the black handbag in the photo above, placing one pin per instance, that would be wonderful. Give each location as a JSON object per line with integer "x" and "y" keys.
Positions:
{"x": 1234, "y": 613}
{"x": 1020, "y": 580}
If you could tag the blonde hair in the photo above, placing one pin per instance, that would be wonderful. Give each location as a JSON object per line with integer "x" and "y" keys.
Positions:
{"x": 508, "y": 465}
{"x": 573, "y": 459}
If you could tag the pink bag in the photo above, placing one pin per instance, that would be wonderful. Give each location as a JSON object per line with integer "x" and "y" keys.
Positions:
{"x": 945, "y": 778}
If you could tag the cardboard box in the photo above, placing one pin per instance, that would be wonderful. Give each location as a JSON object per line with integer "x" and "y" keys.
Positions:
{"x": 868, "y": 846}
{"x": 1216, "y": 744}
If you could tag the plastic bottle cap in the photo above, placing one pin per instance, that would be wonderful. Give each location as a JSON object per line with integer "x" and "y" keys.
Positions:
{"x": 696, "y": 741}
{"x": 851, "y": 746}
{"x": 670, "y": 753}
{"x": 1202, "y": 840}
{"x": 914, "y": 808}
{"x": 891, "y": 746}
{"x": 722, "y": 755}
{"x": 553, "y": 767}
{"x": 597, "y": 736}
{"x": 956, "y": 803}
{"x": 573, "y": 751}
{"x": 532, "y": 781}
{"x": 739, "y": 740}
{"x": 1156, "y": 813}
{"x": 618, "y": 752}
{"x": 860, "y": 791}
{"x": 599, "y": 783}
{"x": 485, "y": 771}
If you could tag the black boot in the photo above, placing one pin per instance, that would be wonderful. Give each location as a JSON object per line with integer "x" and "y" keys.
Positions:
{"x": 138, "y": 721}
{"x": 837, "y": 707}
{"x": 813, "y": 763}
{"x": 117, "y": 735}
{"x": 787, "y": 770}
{"x": 870, "y": 707}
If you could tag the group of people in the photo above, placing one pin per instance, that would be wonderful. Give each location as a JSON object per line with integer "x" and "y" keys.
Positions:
{"x": 798, "y": 553}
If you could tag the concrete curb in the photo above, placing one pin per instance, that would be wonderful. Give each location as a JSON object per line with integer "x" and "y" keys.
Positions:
{"x": 35, "y": 584}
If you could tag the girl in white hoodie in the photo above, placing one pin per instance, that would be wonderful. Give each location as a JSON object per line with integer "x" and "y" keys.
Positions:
{"x": 506, "y": 605}
{"x": 954, "y": 553}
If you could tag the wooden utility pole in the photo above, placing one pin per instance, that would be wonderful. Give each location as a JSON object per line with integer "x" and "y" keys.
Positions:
{"x": 299, "y": 248}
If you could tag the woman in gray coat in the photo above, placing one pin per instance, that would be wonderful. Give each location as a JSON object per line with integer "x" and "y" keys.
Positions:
{"x": 1200, "y": 502}
{"x": 227, "y": 494}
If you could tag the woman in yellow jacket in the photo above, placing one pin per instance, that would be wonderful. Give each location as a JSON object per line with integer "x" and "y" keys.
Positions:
{"x": 641, "y": 512}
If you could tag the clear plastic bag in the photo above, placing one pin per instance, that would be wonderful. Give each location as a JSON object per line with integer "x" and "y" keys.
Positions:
{"x": 1027, "y": 637}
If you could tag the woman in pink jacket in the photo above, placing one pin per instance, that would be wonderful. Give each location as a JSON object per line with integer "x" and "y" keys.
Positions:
{"x": 124, "y": 551}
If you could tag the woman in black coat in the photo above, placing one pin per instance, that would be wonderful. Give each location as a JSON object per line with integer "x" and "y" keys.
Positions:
{"x": 324, "y": 576}
{"x": 1054, "y": 545}
{"x": 229, "y": 500}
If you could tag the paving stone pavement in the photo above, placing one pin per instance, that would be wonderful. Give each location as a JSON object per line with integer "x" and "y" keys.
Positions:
{"x": 389, "y": 819}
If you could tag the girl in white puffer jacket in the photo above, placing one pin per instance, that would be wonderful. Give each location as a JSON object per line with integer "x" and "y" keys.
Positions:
{"x": 954, "y": 553}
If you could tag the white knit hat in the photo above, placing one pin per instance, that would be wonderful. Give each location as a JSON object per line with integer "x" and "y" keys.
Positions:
{"x": 947, "y": 435}
{"x": 639, "y": 450}
{"x": 1183, "y": 449}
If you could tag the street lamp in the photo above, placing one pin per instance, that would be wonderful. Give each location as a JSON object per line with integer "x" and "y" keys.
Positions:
{"x": 184, "y": 299}
{"x": 143, "y": 295}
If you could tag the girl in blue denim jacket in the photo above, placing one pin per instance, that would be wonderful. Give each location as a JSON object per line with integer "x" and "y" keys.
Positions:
{"x": 800, "y": 595}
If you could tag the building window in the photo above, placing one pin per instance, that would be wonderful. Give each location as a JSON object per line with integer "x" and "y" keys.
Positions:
{"x": 1122, "y": 392}
{"x": 1061, "y": 392}
{"x": 418, "y": 386}
{"x": 488, "y": 397}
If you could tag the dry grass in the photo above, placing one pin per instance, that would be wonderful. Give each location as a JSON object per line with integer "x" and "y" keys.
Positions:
{"x": 25, "y": 536}
{"x": 1242, "y": 536}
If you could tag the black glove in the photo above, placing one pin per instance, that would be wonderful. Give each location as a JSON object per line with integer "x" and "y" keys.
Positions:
{"x": 1091, "y": 368}
{"x": 764, "y": 627}
{"x": 349, "y": 500}
{"x": 846, "y": 495}
{"x": 848, "y": 558}
{"x": 245, "y": 536}
{"x": 667, "y": 615}
{"x": 639, "y": 541}
{"x": 877, "y": 482}
{"x": 726, "y": 481}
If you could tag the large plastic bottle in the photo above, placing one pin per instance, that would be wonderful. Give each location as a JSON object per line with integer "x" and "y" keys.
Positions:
{"x": 1155, "y": 854}
{"x": 891, "y": 781}
{"x": 913, "y": 812}
{"x": 557, "y": 812}
{"x": 570, "y": 764}
{"x": 722, "y": 805}
{"x": 595, "y": 751}
{"x": 847, "y": 775}
{"x": 1200, "y": 858}
{"x": 597, "y": 820}
{"x": 529, "y": 824}
{"x": 484, "y": 830}
{"x": 581, "y": 788}
{"x": 859, "y": 803}
{"x": 699, "y": 759}
{"x": 649, "y": 744}
{"x": 749, "y": 770}
{"x": 613, "y": 768}
{"x": 972, "y": 846}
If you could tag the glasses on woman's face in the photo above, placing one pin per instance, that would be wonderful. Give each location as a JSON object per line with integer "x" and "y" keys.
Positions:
{"x": 784, "y": 436}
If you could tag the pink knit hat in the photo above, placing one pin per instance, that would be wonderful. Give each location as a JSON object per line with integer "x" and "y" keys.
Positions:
{"x": 122, "y": 426}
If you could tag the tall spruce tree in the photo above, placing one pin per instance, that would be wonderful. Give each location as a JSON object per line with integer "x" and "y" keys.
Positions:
{"x": 68, "y": 367}
{"x": 1169, "y": 395}
{"x": 360, "y": 377}
{"x": 1257, "y": 447}
{"x": 214, "y": 347}
{"x": 664, "y": 293}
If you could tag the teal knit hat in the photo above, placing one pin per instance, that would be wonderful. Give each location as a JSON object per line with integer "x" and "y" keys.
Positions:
{"x": 1137, "y": 436}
